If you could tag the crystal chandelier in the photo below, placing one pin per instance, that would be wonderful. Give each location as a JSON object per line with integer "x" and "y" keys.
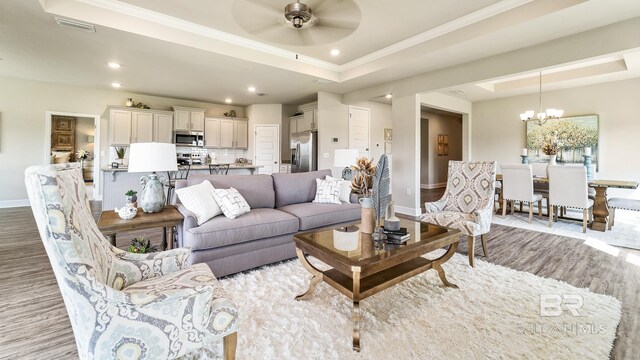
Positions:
{"x": 541, "y": 116}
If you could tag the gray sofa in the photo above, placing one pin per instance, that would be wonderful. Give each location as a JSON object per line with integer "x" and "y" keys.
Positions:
{"x": 281, "y": 205}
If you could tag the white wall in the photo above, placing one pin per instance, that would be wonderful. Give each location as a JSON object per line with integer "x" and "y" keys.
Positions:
{"x": 499, "y": 134}
{"x": 23, "y": 104}
{"x": 333, "y": 122}
{"x": 262, "y": 114}
{"x": 406, "y": 157}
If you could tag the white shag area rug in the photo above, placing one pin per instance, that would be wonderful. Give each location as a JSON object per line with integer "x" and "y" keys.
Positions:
{"x": 495, "y": 314}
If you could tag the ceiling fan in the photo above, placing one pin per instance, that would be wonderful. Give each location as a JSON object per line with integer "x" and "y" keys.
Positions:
{"x": 299, "y": 23}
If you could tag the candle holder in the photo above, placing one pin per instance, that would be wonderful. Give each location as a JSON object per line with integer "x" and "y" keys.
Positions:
{"x": 587, "y": 164}
{"x": 525, "y": 159}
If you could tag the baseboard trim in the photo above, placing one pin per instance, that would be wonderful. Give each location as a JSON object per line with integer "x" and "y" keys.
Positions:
{"x": 408, "y": 211}
{"x": 14, "y": 203}
{"x": 433, "y": 186}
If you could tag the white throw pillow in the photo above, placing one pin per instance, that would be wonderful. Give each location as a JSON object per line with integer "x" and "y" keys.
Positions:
{"x": 327, "y": 191}
{"x": 199, "y": 200}
{"x": 345, "y": 189}
{"x": 231, "y": 202}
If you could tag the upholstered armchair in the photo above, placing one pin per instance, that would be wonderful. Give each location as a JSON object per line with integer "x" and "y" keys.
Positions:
{"x": 467, "y": 203}
{"x": 124, "y": 305}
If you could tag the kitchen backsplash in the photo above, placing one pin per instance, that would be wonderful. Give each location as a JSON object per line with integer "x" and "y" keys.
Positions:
{"x": 217, "y": 155}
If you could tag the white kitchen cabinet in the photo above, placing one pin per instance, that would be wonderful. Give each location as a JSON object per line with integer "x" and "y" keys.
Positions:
{"x": 293, "y": 125}
{"x": 212, "y": 133}
{"x": 226, "y": 134}
{"x": 188, "y": 119}
{"x": 307, "y": 120}
{"x": 241, "y": 134}
{"x": 314, "y": 122}
{"x": 120, "y": 127}
{"x": 197, "y": 120}
{"x": 163, "y": 127}
{"x": 141, "y": 127}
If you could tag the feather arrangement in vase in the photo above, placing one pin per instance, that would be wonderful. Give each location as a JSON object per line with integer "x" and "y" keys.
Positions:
{"x": 380, "y": 188}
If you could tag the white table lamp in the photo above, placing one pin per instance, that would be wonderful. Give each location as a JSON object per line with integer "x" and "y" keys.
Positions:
{"x": 152, "y": 157}
{"x": 345, "y": 158}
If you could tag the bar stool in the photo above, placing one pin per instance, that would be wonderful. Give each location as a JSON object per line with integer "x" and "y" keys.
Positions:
{"x": 219, "y": 169}
{"x": 181, "y": 174}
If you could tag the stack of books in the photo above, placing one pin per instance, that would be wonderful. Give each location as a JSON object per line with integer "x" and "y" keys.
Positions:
{"x": 397, "y": 236}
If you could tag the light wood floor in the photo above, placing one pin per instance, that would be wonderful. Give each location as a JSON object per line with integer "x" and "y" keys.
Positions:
{"x": 34, "y": 322}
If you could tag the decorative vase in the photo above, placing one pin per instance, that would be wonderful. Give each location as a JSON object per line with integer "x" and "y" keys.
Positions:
{"x": 129, "y": 102}
{"x": 552, "y": 159}
{"x": 133, "y": 199}
{"x": 368, "y": 222}
{"x": 152, "y": 198}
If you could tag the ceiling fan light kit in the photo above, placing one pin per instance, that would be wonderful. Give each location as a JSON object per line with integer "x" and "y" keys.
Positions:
{"x": 541, "y": 116}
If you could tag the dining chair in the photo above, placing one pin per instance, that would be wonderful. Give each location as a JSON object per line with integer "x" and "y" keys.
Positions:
{"x": 467, "y": 203}
{"x": 124, "y": 305}
{"x": 181, "y": 174}
{"x": 517, "y": 185}
{"x": 568, "y": 187}
{"x": 622, "y": 204}
{"x": 539, "y": 170}
{"x": 220, "y": 169}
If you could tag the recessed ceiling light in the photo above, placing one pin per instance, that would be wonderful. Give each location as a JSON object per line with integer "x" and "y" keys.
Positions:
{"x": 114, "y": 65}
{"x": 388, "y": 96}
{"x": 251, "y": 88}
{"x": 116, "y": 85}
{"x": 335, "y": 52}
{"x": 228, "y": 100}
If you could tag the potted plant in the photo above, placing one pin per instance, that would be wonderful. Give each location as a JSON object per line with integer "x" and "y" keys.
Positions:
{"x": 131, "y": 196}
{"x": 141, "y": 245}
{"x": 120, "y": 151}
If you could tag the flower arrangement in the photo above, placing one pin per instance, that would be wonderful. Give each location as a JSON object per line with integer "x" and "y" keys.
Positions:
{"x": 141, "y": 245}
{"x": 82, "y": 154}
{"x": 363, "y": 178}
{"x": 550, "y": 149}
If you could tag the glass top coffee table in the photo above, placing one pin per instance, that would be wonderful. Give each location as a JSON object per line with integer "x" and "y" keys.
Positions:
{"x": 361, "y": 267}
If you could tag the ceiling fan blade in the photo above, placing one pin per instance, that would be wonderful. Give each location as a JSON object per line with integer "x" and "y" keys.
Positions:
{"x": 338, "y": 23}
{"x": 317, "y": 6}
{"x": 305, "y": 37}
{"x": 265, "y": 29}
{"x": 266, "y": 6}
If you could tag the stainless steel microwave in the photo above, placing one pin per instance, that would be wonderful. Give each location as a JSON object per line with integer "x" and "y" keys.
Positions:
{"x": 189, "y": 139}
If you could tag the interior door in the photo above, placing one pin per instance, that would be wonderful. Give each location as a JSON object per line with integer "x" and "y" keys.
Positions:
{"x": 267, "y": 148}
{"x": 359, "y": 130}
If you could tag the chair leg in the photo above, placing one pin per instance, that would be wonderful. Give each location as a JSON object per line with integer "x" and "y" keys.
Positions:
{"x": 229, "y": 344}
{"x": 612, "y": 217}
{"x": 550, "y": 215}
{"x": 540, "y": 208}
{"x": 521, "y": 206}
{"x": 530, "y": 212}
{"x": 585, "y": 217}
{"x": 485, "y": 248}
{"x": 513, "y": 206}
{"x": 472, "y": 243}
{"x": 504, "y": 208}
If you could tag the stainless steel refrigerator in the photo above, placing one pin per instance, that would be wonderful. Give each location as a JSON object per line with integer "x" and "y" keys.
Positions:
{"x": 304, "y": 151}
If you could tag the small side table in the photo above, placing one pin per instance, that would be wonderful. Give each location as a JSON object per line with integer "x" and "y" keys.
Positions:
{"x": 110, "y": 223}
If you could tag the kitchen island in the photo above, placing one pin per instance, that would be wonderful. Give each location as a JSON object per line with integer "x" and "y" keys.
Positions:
{"x": 117, "y": 181}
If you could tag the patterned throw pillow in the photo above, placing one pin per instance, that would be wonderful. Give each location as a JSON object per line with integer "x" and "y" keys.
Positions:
{"x": 199, "y": 200}
{"x": 327, "y": 191}
{"x": 345, "y": 189}
{"x": 231, "y": 202}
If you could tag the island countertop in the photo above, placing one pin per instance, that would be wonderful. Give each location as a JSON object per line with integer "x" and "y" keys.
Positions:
{"x": 194, "y": 167}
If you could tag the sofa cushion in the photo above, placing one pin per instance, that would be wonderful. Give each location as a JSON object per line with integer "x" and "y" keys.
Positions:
{"x": 200, "y": 201}
{"x": 296, "y": 188}
{"x": 312, "y": 215}
{"x": 257, "y": 224}
{"x": 257, "y": 190}
{"x": 231, "y": 202}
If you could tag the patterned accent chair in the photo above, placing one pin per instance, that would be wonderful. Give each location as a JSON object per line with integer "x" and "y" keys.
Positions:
{"x": 124, "y": 305}
{"x": 467, "y": 203}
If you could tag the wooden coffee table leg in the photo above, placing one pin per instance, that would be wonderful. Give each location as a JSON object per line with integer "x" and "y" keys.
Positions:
{"x": 112, "y": 239}
{"x": 317, "y": 275}
{"x": 357, "y": 315}
{"x": 437, "y": 264}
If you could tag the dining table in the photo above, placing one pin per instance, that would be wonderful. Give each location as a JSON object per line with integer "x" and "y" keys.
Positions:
{"x": 600, "y": 206}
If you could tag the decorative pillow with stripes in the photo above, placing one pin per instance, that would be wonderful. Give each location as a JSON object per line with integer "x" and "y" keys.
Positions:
{"x": 327, "y": 191}
{"x": 231, "y": 202}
